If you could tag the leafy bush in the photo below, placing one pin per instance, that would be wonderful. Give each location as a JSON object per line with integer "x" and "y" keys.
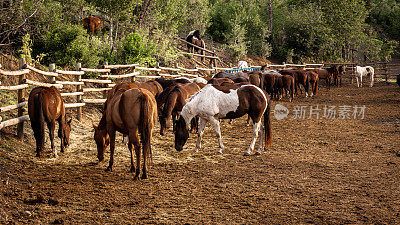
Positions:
{"x": 70, "y": 44}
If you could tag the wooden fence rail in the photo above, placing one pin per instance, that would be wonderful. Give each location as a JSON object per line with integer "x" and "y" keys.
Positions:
{"x": 384, "y": 70}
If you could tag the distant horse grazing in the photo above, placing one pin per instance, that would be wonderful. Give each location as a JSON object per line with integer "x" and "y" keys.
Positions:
{"x": 92, "y": 24}
{"x": 242, "y": 65}
{"x": 194, "y": 38}
{"x": 284, "y": 83}
{"x": 174, "y": 103}
{"x": 218, "y": 102}
{"x": 313, "y": 79}
{"x": 364, "y": 71}
{"x": 326, "y": 74}
{"x": 46, "y": 105}
{"x": 130, "y": 112}
{"x": 236, "y": 77}
{"x": 300, "y": 77}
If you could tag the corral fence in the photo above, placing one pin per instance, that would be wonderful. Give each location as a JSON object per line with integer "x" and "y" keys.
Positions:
{"x": 81, "y": 91}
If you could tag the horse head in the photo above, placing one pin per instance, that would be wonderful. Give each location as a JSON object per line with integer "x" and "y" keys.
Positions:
{"x": 102, "y": 141}
{"x": 67, "y": 131}
{"x": 181, "y": 133}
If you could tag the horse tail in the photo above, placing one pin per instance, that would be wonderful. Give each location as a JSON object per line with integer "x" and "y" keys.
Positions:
{"x": 145, "y": 125}
{"x": 38, "y": 122}
{"x": 267, "y": 124}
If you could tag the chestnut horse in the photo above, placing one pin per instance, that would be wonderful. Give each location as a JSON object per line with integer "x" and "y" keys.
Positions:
{"x": 313, "y": 78}
{"x": 218, "y": 102}
{"x": 153, "y": 86}
{"x": 45, "y": 105}
{"x": 284, "y": 83}
{"x": 174, "y": 103}
{"x": 93, "y": 23}
{"x": 326, "y": 74}
{"x": 300, "y": 77}
{"x": 129, "y": 112}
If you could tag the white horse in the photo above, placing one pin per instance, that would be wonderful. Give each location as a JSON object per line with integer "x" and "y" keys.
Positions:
{"x": 242, "y": 65}
{"x": 218, "y": 102}
{"x": 364, "y": 71}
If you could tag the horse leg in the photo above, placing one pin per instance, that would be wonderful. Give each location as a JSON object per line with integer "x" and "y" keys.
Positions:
{"x": 215, "y": 124}
{"x": 372, "y": 81}
{"x": 256, "y": 129}
{"x": 361, "y": 81}
{"x": 202, "y": 126}
{"x": 130, "y": 147}
{"x": 261, "y": 141}
{"x": 61, "y": 133}
{"x": 134, "y": 144}
{"x": 358, "y": 83}
{"x": 111, "y": 133}
{"x": 38, "y": 132}
{"x": 52, "y": 126}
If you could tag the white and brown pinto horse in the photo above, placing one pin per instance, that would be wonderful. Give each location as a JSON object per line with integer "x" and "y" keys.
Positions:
{"x": 360, "y": 71}
{"x": 218, "y": 102}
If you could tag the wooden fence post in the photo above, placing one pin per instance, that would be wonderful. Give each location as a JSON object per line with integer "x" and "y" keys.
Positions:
{"x": 105, "y": 85}
{"x": 20, "y": 127}
{"x": 79, "y": 89}
{"x": 52, "y": 68}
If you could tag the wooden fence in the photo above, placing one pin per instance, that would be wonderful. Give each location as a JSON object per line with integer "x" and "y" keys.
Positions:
{"x": 106, "y": 81}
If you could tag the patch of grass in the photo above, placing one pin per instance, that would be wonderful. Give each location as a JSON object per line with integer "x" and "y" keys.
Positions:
{"x": 8, "y": 98}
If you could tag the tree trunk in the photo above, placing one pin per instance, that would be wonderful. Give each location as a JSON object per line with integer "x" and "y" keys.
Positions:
{"x": 269, "y": 7}
{"x": 111, "y": 35}
{"x": 146, "y": 5}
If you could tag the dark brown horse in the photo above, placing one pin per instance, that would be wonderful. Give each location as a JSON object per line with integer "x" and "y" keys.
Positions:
{"x": 176, "y": 100}
{"x": 194, "y": 38}
{"x": 284, "y": 84}
{"x": 235, "y": 77}
{"x": 45, "y": 105}
{"x": 219, "y": 102}
{"x": 300, "y": 77}
{"x": 326, "y": 74}
{"x": 337, "y": 76}
{"x": 313, "y": 78}
{"x": 131, "y": 112}
{"x": 165, "y": 83}
{"x": 219, "y": 81}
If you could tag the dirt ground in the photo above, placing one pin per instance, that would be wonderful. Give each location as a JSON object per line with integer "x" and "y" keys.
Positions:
{"x": 321, "y": 171}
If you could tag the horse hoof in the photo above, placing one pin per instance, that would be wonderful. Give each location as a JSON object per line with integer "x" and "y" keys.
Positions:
{"x": 136, "y": 178}
{"x": 132, "y": 170}
{"x": 144, "y": 176}
{"x": 257, "y": 153}
{"x": 247, "y": 154}
{"x": 109, "y": 169}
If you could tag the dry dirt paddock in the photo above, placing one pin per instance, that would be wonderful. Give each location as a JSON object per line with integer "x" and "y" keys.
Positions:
{"x": 319, "y": 171}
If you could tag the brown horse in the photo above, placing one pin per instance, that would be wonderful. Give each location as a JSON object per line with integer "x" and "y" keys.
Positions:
{"x": 93, "y": 23}
{"x": 219, "y": 81}
{"x": 130, "y": 112}
{"x": 340, "y": 70}
{"x": 313, "y": 78}
{"x": 176, "y": 100}
{"x": 153, "y": 86}
{"x": 300, "y": 77}
{"x": 236, "y": 77}
{"x": 165, "y": 83}
{"x": 194, "y": 38}
{"x": 284, "y": 83}
{"x": 326, "y": 74}
{"x": 45, "y": 105}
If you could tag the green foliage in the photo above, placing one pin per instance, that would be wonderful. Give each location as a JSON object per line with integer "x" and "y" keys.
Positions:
{"x": 26, "y": 49}
{"x": 136, "y": 48}
{"x": 70, "y": 44}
